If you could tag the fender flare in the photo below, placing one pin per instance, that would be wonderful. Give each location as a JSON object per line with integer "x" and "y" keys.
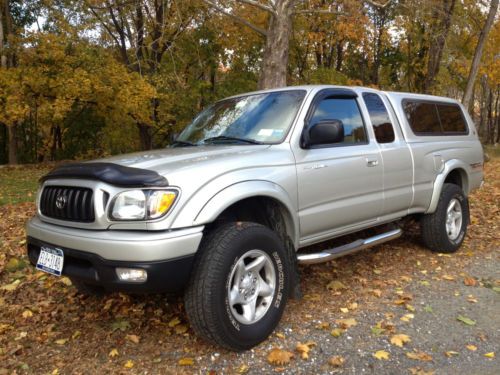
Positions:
{"x": 448, "y": 167}
{"x": 248, "y": 189}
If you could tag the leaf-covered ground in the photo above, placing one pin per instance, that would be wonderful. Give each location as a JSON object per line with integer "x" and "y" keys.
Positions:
{"x": 397, "y": 309}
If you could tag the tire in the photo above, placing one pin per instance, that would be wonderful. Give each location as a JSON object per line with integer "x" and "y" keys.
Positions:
{"x": 88, "y": 289}
{"x": 441, "y": 232}
{"x": 218, "y": 283}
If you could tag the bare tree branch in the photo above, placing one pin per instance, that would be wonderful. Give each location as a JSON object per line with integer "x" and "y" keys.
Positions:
{"x": 236, "y": 18}
{"x": 377, "y": 4}
{"x": 264, "y": 7}
{"x": 318, "y": 11}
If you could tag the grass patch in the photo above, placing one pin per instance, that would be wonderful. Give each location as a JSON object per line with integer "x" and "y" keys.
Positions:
{"x": 19, "y": 184}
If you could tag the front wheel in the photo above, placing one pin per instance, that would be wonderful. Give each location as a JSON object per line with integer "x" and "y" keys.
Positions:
{"x": 444, "y": 230}
{"x": 239, "y": 286}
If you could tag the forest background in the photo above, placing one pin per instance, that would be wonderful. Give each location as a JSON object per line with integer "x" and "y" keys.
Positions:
{"x": 87, "y": 78}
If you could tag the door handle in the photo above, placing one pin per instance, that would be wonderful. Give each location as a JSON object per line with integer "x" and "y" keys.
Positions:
{"x": 371, "y": 162}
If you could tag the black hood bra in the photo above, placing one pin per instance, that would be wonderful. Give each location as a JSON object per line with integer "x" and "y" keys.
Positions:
{"x": 110, "y": 173}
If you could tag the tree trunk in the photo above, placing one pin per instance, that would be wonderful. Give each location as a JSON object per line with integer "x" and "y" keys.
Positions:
{"x": 436, "y": 49}
{"x": 482, "y": 107}
{"x": 276, "y": 51}
{"x": 479, "y": 52}
{"x": 145, "y": 137}
{"x": 12, "y": 144}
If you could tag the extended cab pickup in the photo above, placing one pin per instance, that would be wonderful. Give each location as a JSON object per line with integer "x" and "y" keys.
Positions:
{"x": 223, "y": 212}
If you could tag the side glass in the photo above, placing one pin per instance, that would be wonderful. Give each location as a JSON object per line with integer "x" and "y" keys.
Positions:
{"x": 384, "y": 130}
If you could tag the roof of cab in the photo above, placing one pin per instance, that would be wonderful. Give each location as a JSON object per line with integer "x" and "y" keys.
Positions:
{"x": 393, "y": 94}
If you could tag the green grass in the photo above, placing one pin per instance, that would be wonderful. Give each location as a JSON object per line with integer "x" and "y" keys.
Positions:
{"x": 19, "y": 184}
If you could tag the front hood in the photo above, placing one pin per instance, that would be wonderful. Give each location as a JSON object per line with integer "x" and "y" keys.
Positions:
{"x": 169, "y": 160}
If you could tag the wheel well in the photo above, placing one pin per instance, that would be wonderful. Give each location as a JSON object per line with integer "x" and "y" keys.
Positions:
{"x": 262, "y": 210}
{"x": 458, "y": 177}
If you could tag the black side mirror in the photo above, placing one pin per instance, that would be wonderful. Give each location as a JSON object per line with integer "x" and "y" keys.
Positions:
{"x": 326, "y": 132}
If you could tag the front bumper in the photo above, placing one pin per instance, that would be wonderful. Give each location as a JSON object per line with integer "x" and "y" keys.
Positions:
{"x": 93, "y": 256}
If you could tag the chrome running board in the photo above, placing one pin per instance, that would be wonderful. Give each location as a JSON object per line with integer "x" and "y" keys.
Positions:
{"x": 353, "y": 247}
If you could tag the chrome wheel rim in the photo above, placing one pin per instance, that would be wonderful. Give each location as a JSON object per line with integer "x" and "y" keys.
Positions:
{"x": 454, "y": 219}
{"x": 252, "y": 285}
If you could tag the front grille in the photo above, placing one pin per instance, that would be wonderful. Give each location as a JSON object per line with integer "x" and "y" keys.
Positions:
{"x": 68, "y": 203}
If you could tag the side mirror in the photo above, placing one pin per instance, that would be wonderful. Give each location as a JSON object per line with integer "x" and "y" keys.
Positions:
{"x": 326, "y": 132}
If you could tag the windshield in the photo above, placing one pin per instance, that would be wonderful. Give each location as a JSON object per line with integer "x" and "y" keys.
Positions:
{"x": 252, "y": 119}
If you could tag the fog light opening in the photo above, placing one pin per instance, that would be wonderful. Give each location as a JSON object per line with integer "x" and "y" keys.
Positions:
{"x": 133, "y": 275}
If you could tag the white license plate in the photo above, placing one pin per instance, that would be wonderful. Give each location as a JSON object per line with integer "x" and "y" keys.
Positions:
{"x": 50, "y": 260}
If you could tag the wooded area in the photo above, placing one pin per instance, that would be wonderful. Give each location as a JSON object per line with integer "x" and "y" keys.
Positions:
{"x": 86, "y": 78}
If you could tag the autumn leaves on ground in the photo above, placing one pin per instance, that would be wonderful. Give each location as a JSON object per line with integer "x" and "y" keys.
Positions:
{"x": 397, "y": 308}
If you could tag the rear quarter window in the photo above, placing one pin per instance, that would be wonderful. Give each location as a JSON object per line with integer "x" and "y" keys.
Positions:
{"x": 434, "y": 118}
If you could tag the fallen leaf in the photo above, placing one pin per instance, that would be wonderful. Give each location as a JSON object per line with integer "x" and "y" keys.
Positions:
{"x": 280, "y": 335}
{"x": 419, "y": 356}
{"x": 428, "y": 309}
{"x": 471, "y": 299}
{"x": 243, "y": 369}
{"x": 448, "y": 277}
{"x": 466, "y": 320}
{"x": 113, "y": 353}
{"x": 175, "y": 321}
{"x": 303, "y": 349}
{"x": 181, "y": 329}
{"x": 381, "y": 355}
{"x": 377, "y": 330}
{"x": 345, "y": 310}
{"x": 129, "y": 364}
{"x": 346, "y": 323}
{"x": 133, "y": 338}
{"x": 450, "y": 353}
{"x": 337, "y": 332}
{"x": 490, "y": 355}
{"x": 279, "y": 357}
{"x": 323, "y": 325}
{"x": 336, "y": 361}
{"x": 61, "y": 341}
{"x": 27, "y": 314}
{"x": 336, "y": 285}
{"x": 12, "y": 286}
{"x": 353, "y": 306}
{"x": 471, "y": 347}
{"x": 400, "y": 339}
{"x": 121, "y": 325}
{"x": 186, "y": 362}
{"x": 407, "y": 317}
{"x": 66, "y": 281}
{"x": 470, "y": 281}
{"x": 75, "y": 335}
{"x": 409, "y": 307}
{"x": 377, "y": 293}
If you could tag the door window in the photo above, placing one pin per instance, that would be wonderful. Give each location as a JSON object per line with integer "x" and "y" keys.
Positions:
{"x": 347, "y": 111}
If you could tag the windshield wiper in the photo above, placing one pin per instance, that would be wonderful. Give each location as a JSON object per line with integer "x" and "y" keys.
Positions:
{"x": 179, "y": 143}
{"x": 228, "y": 138}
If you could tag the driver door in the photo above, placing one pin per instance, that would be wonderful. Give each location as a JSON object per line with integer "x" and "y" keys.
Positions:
{"x": 340, "y": 185}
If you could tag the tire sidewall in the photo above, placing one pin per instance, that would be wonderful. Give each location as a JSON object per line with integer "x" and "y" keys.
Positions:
{"x": 263, "y": 239}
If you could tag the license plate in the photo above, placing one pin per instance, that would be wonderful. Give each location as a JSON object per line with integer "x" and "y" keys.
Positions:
{"x": 50, "y": 260}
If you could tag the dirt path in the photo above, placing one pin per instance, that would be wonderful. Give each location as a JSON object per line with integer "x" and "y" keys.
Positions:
{"x": 351, "y": 311}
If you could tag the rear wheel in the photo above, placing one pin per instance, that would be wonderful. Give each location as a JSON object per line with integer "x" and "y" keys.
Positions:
{"x": 444, "y": 230}
{"x": 239, "y": 286}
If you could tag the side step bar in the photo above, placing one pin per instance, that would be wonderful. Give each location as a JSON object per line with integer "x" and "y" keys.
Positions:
{"x": 350, "y": 248}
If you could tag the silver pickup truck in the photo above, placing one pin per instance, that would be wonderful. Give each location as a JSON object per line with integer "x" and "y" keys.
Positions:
{"x": 223, "y": 213}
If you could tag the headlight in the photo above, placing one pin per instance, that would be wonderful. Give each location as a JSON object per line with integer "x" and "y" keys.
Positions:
{"x": 142, "y": 204}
